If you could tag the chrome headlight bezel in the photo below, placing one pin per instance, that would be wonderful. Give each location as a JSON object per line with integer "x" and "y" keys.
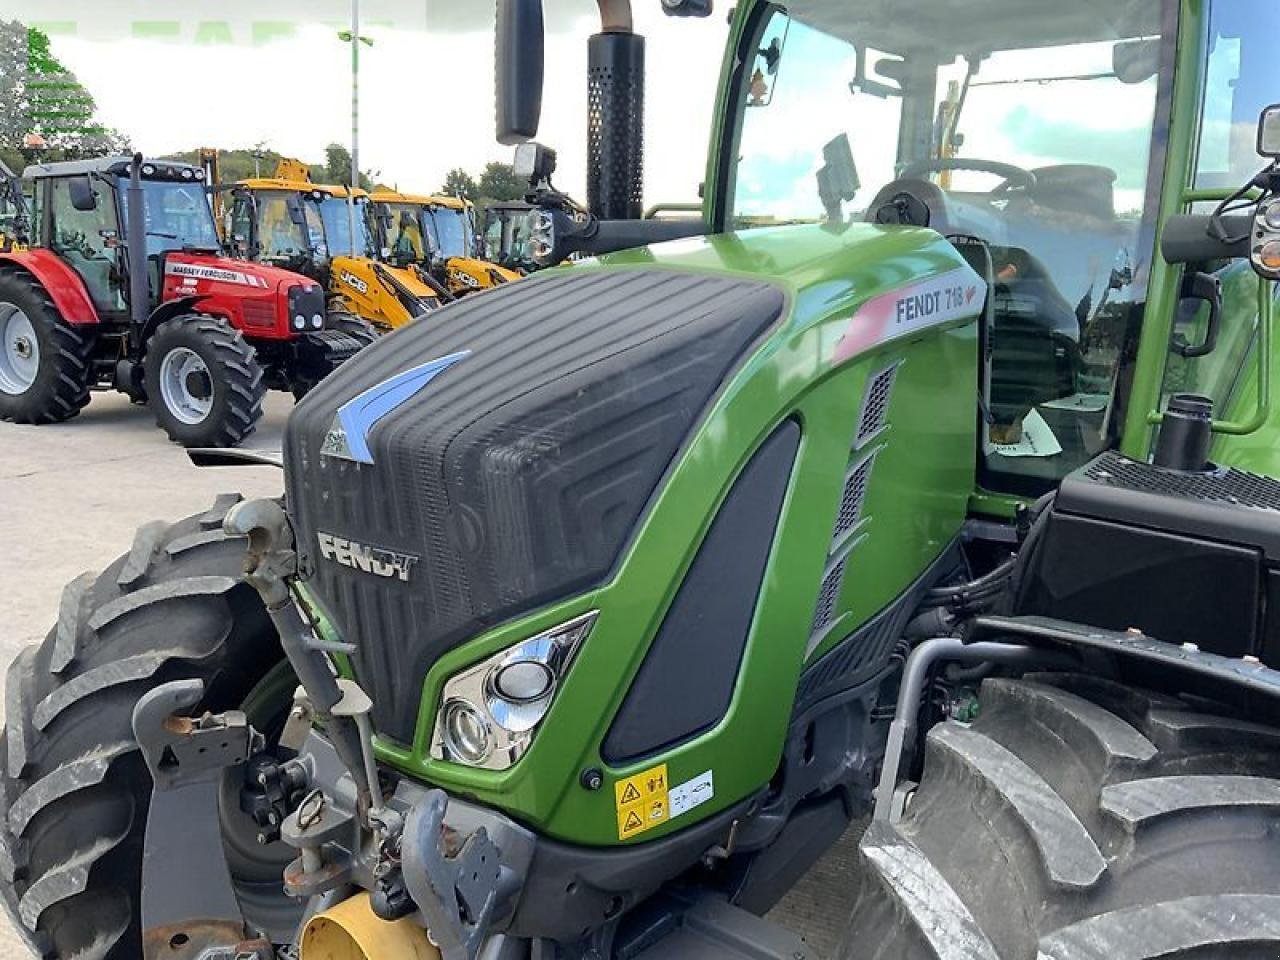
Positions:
{"x": 511, "y": 722}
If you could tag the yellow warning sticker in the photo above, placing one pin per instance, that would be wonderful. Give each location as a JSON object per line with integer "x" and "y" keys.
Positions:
{"x": 641, "y": 801}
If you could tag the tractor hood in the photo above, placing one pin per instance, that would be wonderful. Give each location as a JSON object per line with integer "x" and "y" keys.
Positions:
{"x": 205, "y": 273}
{"x": 500, "y": 456}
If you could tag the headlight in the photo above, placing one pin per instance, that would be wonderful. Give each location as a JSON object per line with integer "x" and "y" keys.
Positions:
{"x": 317, "y": 322}
{"x": 299, "y": 322}
{"x": 490, "y": 712}
{"x": 466, "y": 734}
{"x": 542, "y": 238}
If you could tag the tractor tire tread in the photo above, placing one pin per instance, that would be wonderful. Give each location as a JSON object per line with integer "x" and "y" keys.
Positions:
{"x": 241, "y": 376}
{"x": 1172, "y": 801}
{"x": 73, "y": 807}
{"x": 68, "y": 388}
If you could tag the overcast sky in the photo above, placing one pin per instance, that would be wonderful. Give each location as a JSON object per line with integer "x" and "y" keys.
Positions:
{"x": 237, "y": 72}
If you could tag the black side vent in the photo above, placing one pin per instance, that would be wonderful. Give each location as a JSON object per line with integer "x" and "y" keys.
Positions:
{"x": 686, "y": 681}
{"x": 824, "y": 617}
{"x": 875, "y": 405}
{"x": 832, "y": 580}
{"x": 855, "y": 491}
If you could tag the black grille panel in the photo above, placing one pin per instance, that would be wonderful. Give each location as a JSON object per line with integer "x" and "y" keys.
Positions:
{"x": 1225, "y": 485}
{"x": 855, "y": 491}
{"x": 517, "y": 474}
{"x": 875, "y": 405}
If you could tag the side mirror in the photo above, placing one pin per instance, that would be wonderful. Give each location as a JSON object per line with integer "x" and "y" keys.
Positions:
{"x": 1135, "y": 61}
{"x": 687, "y": 8}
{"x": 518, "y": 69}
{"x": 1269, "y": 132}
{"x": 838, "y": 177}
{"x": 81, "y": 192}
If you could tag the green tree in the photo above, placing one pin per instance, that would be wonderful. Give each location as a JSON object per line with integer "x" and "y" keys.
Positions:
{"x": 499, "y": 182}
{"x": 337, "y": 168}
{"x": 237, "y": 164}
{"x": 459, "y": 183}
{"x": 39, "y": 95}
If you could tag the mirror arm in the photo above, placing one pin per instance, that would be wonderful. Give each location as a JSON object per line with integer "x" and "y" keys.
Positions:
{"x": 615, "y": 16}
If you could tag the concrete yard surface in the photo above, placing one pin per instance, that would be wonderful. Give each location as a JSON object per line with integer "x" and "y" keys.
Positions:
{"x": 71, "y": 497}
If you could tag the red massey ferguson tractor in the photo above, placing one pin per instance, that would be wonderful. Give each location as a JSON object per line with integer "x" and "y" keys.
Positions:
{"x": 122, "y": 284}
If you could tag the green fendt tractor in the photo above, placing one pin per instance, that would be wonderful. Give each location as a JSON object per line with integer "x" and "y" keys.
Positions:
{"x": 598, "y": 610}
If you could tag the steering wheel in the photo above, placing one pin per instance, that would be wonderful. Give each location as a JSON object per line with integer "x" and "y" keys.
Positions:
{"x": 1014, "y": 176}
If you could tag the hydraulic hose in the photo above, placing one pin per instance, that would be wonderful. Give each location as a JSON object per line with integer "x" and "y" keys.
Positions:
{"x": 914, "y": 676}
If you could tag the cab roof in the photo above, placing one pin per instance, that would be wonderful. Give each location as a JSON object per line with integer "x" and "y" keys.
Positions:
{"x": 300, "y": 186}
{"x": 435, "y": 200}
{"x": 114, "y": 166}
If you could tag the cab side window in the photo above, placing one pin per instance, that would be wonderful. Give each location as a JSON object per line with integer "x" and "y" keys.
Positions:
{"x": 88, "y": 240}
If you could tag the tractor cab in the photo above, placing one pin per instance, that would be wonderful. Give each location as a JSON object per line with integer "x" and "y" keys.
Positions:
{"x": 436, "y": 235}
{"x": 123, "y": 285}
{"x": 80, "y": 214}
{"x": 1049, "y": 145}
{"x": 294, "y": 224}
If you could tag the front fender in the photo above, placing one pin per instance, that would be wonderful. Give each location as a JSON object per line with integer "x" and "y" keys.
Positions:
{"x": 167, "y": 311}
{"x": 63, "y": 285}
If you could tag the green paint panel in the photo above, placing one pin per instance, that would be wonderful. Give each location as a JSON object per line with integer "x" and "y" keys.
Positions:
{"x": 915, "y": 503}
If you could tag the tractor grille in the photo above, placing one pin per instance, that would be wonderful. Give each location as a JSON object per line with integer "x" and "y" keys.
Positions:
{"x": 515, "y": 476}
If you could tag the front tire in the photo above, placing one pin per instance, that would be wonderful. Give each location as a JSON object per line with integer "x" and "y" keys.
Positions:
{"x": 203, "y": 382}
{"x": 76, "y": 792}
{"x": 1079, "y": 818}
{"x": 44, "y": 361}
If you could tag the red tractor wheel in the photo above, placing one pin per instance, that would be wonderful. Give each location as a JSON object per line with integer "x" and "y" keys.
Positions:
{"x": 203, "y": 381}
{"x": 44, "y": 361}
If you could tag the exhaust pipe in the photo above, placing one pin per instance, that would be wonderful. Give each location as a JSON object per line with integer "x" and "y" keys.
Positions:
{"x": 615, "y": 116}
{"x": 136, "y": 251}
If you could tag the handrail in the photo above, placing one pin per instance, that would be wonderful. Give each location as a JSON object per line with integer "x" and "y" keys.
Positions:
{"x": 1262, "y": 412}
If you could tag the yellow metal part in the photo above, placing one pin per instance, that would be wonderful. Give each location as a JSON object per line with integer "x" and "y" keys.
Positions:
{"x": 460, "y": 275}
{"x": 464, "y": 274}
{"x": 377, "y": 291}
{"x": 352, "y": 931}
{"x": 288, "y": 168}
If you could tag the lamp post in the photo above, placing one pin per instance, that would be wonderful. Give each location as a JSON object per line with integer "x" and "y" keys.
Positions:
{"x": 353, "y": 37}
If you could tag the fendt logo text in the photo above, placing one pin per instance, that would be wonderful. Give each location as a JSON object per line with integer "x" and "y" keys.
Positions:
{"x": 360, "y": 556}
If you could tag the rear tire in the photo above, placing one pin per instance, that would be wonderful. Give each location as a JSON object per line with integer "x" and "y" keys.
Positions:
{"x": 44, "y": 361}
{"x": 75, "y": 789}
{"x": 1077, "y": 818}
{"x": 203, "y": 382}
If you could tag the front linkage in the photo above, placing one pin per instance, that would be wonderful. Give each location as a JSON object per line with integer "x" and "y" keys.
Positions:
{"x": 433, "y": 863}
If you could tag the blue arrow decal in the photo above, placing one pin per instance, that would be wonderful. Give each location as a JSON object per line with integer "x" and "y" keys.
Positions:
{"x": 349, "y": 436}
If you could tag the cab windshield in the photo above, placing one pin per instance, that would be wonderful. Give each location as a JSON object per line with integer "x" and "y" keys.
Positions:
{"x": 1027, "y": 124}
{"x": 451, "y": 232}
{"x": 178, "y": 216}
{"x": 337, "y": 227}
{"x": 289, "y": 231}
{"x": 406, "y": 232}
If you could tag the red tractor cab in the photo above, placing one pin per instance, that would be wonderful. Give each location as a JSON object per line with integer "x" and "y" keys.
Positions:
{"x": 122, "y": 284}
